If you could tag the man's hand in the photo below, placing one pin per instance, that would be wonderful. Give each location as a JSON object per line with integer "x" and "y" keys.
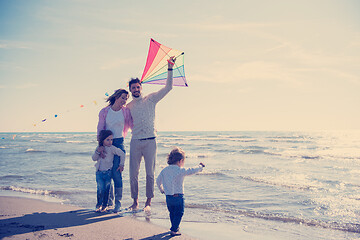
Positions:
{"x": 171, "y": 62}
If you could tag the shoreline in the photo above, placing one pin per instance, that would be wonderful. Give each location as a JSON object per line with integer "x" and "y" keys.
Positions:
{"x": 26, "y": 218}
{"x": 23, "y": 217}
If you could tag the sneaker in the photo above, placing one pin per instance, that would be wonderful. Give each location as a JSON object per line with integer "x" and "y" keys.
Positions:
{"x": 117, "y": 208}
{"x": 98, "y": 209}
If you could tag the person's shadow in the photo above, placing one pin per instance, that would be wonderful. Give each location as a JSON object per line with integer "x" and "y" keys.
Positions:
{"x": 43, "y": 221}
{"x": 161, "y": 236}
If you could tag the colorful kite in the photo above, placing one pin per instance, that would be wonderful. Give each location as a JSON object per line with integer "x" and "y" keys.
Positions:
{"x": 155, "y": 71}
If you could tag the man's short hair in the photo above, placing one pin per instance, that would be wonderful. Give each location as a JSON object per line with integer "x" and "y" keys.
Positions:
{"x": 134, "y": 80}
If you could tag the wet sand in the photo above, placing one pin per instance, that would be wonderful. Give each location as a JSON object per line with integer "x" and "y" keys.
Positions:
{"x": 23, "y": 218}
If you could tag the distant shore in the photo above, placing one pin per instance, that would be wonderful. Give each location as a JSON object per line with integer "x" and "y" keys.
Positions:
{"x": 24, "y": 218}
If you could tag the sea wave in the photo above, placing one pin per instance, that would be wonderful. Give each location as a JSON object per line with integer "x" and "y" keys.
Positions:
{"x": 238, "y": 136}
{"x": 11, "y": 177}
{"x": 310, "y": 157}
{"x": 78, "y": 153}
{"x": 37, "y": 140}
{"x": 31, "y": 150}
{"x": 300, "y": 155}
{"x": 63, "y": 141}
{"x": 44, "y": 192}
{"x": 189, "y": 155}
{"x": 346, "y": 227}
{"x": 26, "y": 190}
{"x": 285, "y": 185}
{"x": 289, "y": 141}
{"x": 244, "y": 140}
{"x": 211, "y": 173}
{"x": 257, "y": 151}
{"x": 34, "y": 151}
{"x": 225, "y": 150}
{"x": 80, "y": 142}
{"x": 199, "y": 155}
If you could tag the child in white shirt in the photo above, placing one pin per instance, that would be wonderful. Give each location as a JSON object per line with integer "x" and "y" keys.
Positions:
{"x": 104, "y": 156}
{"x": 171, "y": 182}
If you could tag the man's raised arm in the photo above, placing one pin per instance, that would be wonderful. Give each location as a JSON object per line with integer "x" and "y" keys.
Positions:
{"x": 157, "y": 96}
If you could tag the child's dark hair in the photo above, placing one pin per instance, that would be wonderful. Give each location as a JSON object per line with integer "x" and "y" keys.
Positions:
{"x": 132, "y": 81}
{"x": 103, "y": 135}
{"x": 175, "y": 156}
{"x": 116, "y": 95}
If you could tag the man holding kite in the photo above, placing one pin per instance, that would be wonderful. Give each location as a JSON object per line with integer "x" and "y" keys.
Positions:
{"x": 143, "y": 141}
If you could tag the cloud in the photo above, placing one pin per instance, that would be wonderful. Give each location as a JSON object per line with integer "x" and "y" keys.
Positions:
{"x": 10, "y": 66}
{"x": 342, "y": 75}
{"x": 19, "y": 86}
{"x": 277, "y": 47}
{"x": 227, "y": 26}
{"x": 26, "y": 85}
{"x": 319, "y": 60}
{"x": 14, "y": 45}
{"x": 255, "y": 70}
{"x": 251, "y": 74}
{"x": 117, "y": 63}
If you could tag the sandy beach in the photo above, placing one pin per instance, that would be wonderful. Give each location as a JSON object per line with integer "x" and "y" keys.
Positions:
{"x": 23, "y": 218}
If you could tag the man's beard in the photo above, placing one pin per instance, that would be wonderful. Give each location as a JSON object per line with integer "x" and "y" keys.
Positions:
{"x": 136, "y": 96}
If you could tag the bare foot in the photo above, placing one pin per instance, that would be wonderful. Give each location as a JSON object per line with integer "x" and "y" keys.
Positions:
{"x": 147, "y": 209}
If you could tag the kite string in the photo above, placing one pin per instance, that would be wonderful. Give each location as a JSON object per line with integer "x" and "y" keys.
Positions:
{"x": 81, "y": 106}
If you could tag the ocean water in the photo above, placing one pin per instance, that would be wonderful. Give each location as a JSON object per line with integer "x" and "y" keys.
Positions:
{"x": 298, "y": 185}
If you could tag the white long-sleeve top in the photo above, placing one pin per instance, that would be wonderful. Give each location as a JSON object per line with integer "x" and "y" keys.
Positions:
{"x": 104, "y": 164}
{"x": 143, "y": 111}
{"x": 171, "y": 179}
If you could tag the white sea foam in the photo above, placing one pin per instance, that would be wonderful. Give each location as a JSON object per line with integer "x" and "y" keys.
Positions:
{"x": 37, "y": 140}
{"x": 74, "y": 141}
{"x": 26, "y": 190}
{"x": 295, "y": 181}
{"x": 31, "y": 150}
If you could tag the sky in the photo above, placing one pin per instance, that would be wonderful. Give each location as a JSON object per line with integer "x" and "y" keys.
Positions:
{"x": 251, "y": 65}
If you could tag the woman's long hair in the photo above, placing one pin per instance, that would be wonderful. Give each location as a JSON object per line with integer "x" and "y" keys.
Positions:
{"x": 116, "y": 95}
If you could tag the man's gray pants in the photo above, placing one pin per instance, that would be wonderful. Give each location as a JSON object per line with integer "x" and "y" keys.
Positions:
{"x": 138, "y": 149}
